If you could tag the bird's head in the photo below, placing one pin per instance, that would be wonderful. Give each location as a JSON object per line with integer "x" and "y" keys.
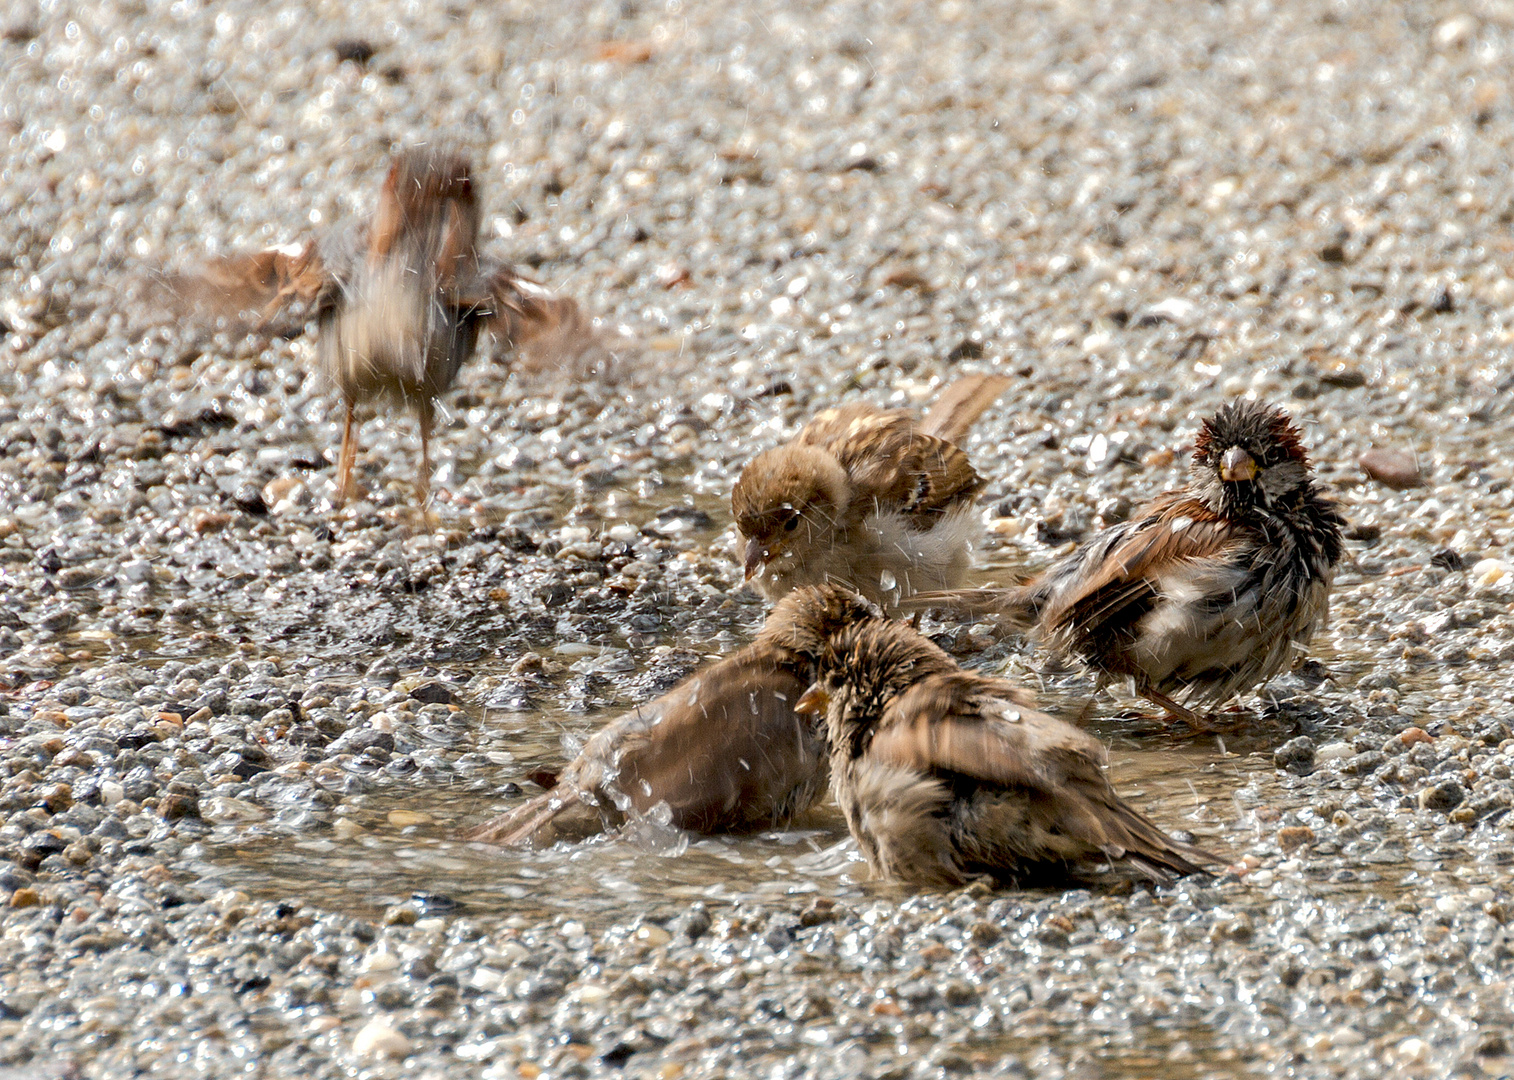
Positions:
{"x": 788, "y": 502}
{"x": 1248, "y": 457}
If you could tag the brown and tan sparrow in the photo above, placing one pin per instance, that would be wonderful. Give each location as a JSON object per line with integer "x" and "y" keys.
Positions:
{"x": 399, "y": 302}
{"x": 1205, "y": 593}
{"x": 723, "y": 750}
{"x": 945, "y": 775}
{"x": 869, "y": 497}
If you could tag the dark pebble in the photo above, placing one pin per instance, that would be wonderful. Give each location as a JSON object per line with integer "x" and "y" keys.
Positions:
{"x": 1295, "y": 755}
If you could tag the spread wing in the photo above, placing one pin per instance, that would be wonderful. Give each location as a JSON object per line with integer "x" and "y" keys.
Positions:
{"x": 521, "y": 311}
{"x": 257, "y": 284}
{"x": 1117, "y": 583}
{"x": 894, "y": 464}
{"x": 724, "y": 748}
{"x": 987, "y": 730}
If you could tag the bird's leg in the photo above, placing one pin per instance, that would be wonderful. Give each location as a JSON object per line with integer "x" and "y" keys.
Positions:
{"x": 346, "y": 458}
{"x": 1193, "y": 719}
{"x": 432, "y": 521}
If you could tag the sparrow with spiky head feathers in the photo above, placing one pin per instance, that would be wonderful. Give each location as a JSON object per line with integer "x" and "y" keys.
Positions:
{"x": 945, "y": 775}
{"x": 871, "y": 498}
{"x": 1205, "y": 593}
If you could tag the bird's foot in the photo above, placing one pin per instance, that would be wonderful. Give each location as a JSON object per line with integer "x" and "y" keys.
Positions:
{"x": 1198, "y": 723}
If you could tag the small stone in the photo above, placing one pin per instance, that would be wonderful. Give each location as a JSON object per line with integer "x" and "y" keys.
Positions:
{"x": 1334, "y": 750}
{"x": 173, "y": 807}
{"x": 402, "y": 818}
{"x": 694, "y": 923}
{"x": 249, "y": 499}
{"x": 984, "y": 934}
{"x": 1490, "y": 573}
{"x": 1412, "y": 735}
{"x": 401, "y": 915}
{"x": 653, "y": 935}
{"x": 1294, "y": 837}
{"x": 25, "y": 898}
{"x": 1492, "y": 1044}
{"x": 1446, "y": 795}
{"x": 1392, "y": 468}
{"x": 379, "y": 1039}
{"x": 820, "y": 910}
{"x": 432, "y": 693}
{"x": 1295, "y": 755}
{"x": 353, "y": 50}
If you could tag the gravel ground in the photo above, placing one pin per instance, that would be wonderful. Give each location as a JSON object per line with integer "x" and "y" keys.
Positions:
{"x": 239, "y": 730}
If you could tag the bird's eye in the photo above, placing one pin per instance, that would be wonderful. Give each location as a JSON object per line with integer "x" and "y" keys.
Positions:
{"x": 791, "y": 524}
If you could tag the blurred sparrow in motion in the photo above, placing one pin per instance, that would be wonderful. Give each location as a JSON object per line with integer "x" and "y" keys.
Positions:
{"x": 1207, "y": 592}
{"x": 945, "y": 774}
{"x": 723, "y": 750}
{"x": 399, "y": 301}
{"x": 869, "y": 497}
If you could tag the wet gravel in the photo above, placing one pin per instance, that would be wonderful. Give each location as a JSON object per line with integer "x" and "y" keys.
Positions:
{"x": 239, "y": 730}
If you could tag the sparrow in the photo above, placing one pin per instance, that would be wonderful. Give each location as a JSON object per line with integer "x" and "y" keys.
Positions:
{"x": 723, "y": 750}
{"x": 869, "y": 497}
{"x": 944, "y": 775}
{"x": 1205, "y": 593}
{"x": 399, "y": 301}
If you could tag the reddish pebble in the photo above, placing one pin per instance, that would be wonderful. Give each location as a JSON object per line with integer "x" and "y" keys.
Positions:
{"x": 1294, "y": 837}
{"x": 1410, "y": 736}
{"x": 1392, "y": 468}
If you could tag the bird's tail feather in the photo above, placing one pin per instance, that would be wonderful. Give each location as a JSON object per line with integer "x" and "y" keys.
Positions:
{"x": 520, "y": 826}
{"x": 1017, "y": 604}
{"x": 1146, "y": 848}
{"x": 960, "y": 404}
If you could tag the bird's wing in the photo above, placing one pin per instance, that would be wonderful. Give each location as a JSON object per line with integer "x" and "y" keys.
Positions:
{"x": 985, "y": 729}
{"x": 257, "y": 284}
{"x": 519, "y": 310}
{"x": 1121, "y": 585}
{"x": 952, "y": 415}
{"x": 966, "y": 725}
{"x": 724, "y": 748}
{"x": 894, "y": 465}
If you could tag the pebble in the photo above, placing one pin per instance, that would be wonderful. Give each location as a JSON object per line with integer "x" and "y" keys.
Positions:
{"x": 1392, "y": 468}
{"x": 378, "y": 1038}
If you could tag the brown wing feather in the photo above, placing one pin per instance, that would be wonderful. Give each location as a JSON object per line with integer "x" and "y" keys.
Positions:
{"x": 952, "y": 415}
{"x": 723, "y": 749}
{"x": 985, "y": 729}
{"x": 729, "y": 751}
{"x": 893, "y": 464}
{"x": 1183, "y": 528}
{"x": 259, "y": 282}
{"x": 520, "y": 310}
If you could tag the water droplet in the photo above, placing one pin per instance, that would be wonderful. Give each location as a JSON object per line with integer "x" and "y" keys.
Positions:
{"x": 887, "y": 581}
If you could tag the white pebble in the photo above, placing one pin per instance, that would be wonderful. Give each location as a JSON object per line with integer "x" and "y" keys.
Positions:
{"x": 378, "y": 1039}
{"x": 111, "y": 792}
{"x": 1412, "y": 1050}
{"x": 1491, "y": 573}
{"x": 1333, "y": 751}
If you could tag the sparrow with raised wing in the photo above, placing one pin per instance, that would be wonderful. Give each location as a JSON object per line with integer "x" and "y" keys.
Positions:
{"x": 723, "y": 750}
{"x": 945, "y": 775}
{"x": 869, "y": 497}
{"x": 399, "y": 302}
{"x": 1205, "y": 593}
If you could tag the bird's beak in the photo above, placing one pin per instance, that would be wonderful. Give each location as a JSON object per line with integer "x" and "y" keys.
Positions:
{"x": 1237, "y": 465}
{"x": 757, "y": 556}
{"x": 813, "y": 701}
